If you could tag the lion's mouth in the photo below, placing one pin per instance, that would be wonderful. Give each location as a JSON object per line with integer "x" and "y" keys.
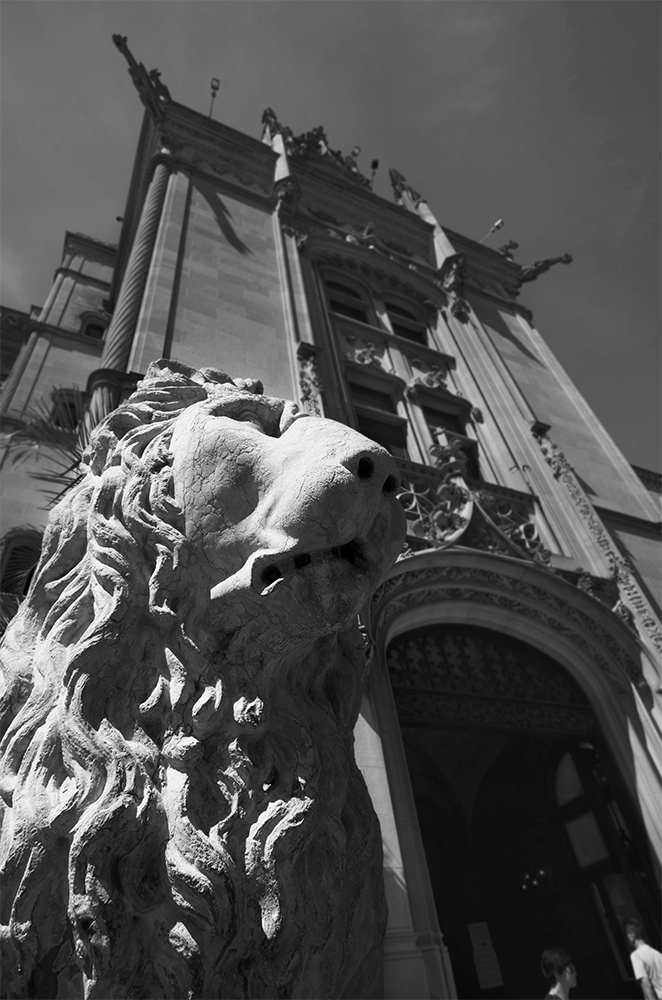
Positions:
{"x": 269, "y": 571}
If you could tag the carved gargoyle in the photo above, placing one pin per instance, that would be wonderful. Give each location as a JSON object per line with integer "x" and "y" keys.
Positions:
{"x": 183, "y": 814}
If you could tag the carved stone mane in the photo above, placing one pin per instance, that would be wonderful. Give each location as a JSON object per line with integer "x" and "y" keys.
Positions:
{"x": 182, "y": 812}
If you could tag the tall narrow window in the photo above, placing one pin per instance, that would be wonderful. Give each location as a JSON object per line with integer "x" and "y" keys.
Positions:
{"x": 406, "y": 323}
{"x": 93, "y": 326}
{"x": 345, "y": 300}
{"x": 67, "y": 409}
{"x": 377, "y": 418}
{"x": 447, "y": 428}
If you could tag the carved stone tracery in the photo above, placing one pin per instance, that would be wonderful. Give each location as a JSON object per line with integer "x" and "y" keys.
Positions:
{"x": 443, "y": 508}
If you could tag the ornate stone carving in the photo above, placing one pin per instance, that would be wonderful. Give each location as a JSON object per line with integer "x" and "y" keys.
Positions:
{"x": 418, "y": 708}
{"x": 434, "y": 378}
{"x": 288, "y": 193}
{"x": 512, "y": 596}
{"x": 622, "y": 611}
{"x": 507, "y": 249}
{"x": 374, "y": 271}
{"x": 452, "y": 276}
{"x": 437, "y": 511}
{"x": 298, "y": 233}
{"x": 184, "y": 815}
{"x": 450, "y": 676}
{"x": 515, "y": 522}
{"x": 442, "y": 509}
{"x": 623, "y": 572}
{"x": 152, "y": 92}
{"x": 314, "y": 145}
{"x": 402, "y": 190}
{"x": 532, "y": 271}
{"x": 366, "y": 352}
{"x": 309, "y": 380}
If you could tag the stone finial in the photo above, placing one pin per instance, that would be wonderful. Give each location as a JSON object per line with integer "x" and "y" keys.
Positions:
{"x": 507, "y": 249}
{"x": 152, "y": 92}
{"x": 403, "y": 193}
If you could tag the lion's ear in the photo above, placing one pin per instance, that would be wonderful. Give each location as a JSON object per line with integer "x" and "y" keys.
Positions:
{"x": 157, "y": 369}
{"x": 216, "y": 375}
{"x": 250, "y": 385}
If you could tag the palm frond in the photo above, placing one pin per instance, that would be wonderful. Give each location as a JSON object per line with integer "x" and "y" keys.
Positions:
{"x": 56, "y": 436}
{"x": 20, "y": 548}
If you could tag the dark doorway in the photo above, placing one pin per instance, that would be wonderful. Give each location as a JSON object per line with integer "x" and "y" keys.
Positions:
{"x": 529, "y": 838}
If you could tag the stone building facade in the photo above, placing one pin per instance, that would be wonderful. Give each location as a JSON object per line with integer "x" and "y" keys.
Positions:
{"x": 511, "y": 732}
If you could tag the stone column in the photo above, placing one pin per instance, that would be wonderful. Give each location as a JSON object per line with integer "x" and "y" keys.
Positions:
{"x": 120, "y": 333}
{"x": 119, "y": 337}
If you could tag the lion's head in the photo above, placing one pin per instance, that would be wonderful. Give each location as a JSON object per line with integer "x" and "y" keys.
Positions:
{"x": 183, "y": 815}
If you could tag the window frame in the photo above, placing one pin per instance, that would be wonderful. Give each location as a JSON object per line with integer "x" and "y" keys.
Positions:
{"x": 443, "y": 401}
{"x": 89, "y": 319}
{"x": 388, "y": 385}
{"x": 414, "y": 320}
{"x": 357, "y": 297}
{"x": 70, "y": 401}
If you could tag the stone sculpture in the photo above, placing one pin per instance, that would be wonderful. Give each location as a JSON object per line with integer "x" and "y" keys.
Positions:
{"x": 183, "y": 814}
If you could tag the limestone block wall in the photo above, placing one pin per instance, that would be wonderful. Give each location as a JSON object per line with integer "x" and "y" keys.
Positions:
{"x": 57, "y": 360}
{"x": 607, "y": 476}
{"x": 214, "y": 293}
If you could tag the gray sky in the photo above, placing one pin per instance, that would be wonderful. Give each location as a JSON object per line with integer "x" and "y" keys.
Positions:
{"x": 541, "y": 112}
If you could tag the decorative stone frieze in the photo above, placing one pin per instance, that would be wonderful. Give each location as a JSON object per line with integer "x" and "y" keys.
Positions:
{"x": 187, "y": 671}
{"x": 631, "y": 592}
{"x": 478, "y": 679}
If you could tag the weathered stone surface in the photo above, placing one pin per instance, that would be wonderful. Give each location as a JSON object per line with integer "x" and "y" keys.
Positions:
{"x": 183, "y": 815}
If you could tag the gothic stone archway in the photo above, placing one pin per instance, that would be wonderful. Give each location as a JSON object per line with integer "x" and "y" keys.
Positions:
{"x": 484, "y": 729}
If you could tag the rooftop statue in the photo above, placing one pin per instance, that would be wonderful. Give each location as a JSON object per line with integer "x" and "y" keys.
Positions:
{"x": 183, "y": 814}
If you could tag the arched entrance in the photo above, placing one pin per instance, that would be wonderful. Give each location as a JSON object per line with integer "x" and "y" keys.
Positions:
{"x": 529, "y": 836}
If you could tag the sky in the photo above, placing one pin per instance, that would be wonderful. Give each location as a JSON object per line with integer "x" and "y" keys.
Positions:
{"x": 543, "y": 113}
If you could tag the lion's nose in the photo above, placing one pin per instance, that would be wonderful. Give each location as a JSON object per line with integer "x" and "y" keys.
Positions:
{"x": 375, "y": 468}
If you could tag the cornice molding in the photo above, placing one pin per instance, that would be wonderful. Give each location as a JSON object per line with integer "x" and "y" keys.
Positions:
{"x": 89, "y": 248}
{"x": 340, "y": 251}
{"x": 211, "y": 147}
{"x": 325, "y": 203}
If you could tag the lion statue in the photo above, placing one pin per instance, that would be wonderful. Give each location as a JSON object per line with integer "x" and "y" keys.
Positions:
{"x": 182, "y": 812}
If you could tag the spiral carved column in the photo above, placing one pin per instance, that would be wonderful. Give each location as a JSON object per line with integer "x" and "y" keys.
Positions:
{"x": 120, "y": 333}
{"x": 105, "y": 395}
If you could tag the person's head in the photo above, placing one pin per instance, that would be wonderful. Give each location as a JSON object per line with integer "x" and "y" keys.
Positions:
{"x": 634, "y": 930}
{"x": 558, "y": 967}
